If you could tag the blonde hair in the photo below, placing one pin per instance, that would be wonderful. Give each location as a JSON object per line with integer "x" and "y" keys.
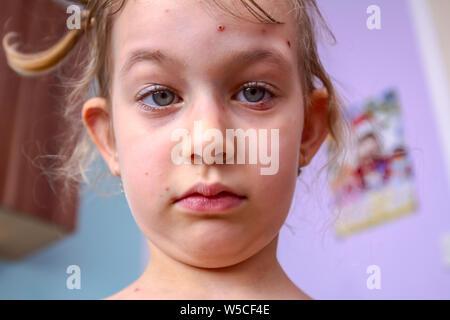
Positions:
{"x": 78, "y": 151}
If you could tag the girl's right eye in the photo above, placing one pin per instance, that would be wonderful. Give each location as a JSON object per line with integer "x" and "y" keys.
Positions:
{"x": 156, "y": 98}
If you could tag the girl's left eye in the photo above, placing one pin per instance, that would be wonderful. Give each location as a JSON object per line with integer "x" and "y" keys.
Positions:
{"x": 163, "y": 97}
{"x": 255, "y": 91}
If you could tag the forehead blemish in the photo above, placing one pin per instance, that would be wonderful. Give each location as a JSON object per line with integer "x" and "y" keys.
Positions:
{"x": 221, "y": 28}
{"x": 167, "y": 188}
{"x": 146, "y": 173}
{"x": 263, "y": 30}
{"x": 289, "y": 43}
{"x": 167, "y": 10}
{"x": 136, "y": 289}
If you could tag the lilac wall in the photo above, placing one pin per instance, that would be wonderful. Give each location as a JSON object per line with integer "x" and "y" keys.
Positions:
{"x": 407, "y": 249}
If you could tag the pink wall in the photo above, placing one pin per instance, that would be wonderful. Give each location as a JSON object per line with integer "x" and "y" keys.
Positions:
{"x": 407, "y": 249}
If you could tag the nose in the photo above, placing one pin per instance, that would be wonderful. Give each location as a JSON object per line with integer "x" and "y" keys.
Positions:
{"x": 207, "y": 122}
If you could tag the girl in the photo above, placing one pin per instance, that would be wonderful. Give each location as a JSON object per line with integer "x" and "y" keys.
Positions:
{"x": 161, "y": 65}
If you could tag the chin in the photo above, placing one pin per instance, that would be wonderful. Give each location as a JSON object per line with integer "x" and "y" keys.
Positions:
{"x": 212, "y": 257}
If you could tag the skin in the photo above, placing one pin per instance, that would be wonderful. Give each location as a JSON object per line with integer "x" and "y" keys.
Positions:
{"x": 228, "y": 256}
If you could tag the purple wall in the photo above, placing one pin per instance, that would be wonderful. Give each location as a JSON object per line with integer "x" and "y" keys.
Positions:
{"x": 407, "y": 249}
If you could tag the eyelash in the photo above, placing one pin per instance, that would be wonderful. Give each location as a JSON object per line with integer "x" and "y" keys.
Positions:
{"x": 157, "y": 88}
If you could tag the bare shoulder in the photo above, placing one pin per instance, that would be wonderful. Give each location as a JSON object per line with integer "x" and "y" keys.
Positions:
{"x": 136, "y": 292}
{"x": 116, "y": 296}
{"x": 292, "y": 292}
{"x": 303, "y": 296}
{"x": 125, "y": 294}
{"x": 296, "y": 295}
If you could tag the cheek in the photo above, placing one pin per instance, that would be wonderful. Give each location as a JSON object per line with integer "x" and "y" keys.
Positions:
{"x": 275, "y": 191}
{"x": 144, "y": 161}
{"x": 144, "y": 166}
{"x": 273, "y": 194}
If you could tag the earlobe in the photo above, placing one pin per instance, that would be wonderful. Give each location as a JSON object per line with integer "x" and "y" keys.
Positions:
{"x": 315, "y": 129}
{"x": 97, "y": 120}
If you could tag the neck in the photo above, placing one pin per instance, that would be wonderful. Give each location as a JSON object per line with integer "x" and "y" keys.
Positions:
{"x": 259, "y": 274}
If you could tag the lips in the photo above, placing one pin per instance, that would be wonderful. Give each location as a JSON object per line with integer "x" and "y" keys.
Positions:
{"x": 210, "y": 197}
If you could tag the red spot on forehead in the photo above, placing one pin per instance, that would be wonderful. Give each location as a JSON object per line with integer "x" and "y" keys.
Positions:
{"x": 221, "y": 28}
{"x": 263, "y": 30}
{"x": 136, "y": 289}
{"x": 289, "y": 43}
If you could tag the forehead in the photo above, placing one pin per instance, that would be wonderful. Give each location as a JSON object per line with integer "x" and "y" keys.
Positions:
{"x": 190, "y": 30}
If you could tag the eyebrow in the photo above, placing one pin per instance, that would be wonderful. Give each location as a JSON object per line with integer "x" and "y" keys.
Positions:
{"x": 237, "y": 58}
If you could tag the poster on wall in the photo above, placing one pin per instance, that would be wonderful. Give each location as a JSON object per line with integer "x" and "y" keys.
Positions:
{"x": 376, "y": 182}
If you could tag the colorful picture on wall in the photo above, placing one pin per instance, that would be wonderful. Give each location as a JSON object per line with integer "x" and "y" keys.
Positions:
{"x": 376, "y": 181}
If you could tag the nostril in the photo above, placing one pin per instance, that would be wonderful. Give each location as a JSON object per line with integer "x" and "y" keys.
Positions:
{"x": 224, "y": 157}
{"x": 221, "y": 158}
{"x": 193, "y": 156}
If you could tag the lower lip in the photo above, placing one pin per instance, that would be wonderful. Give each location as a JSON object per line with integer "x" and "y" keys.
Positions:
{"x": 217, "y": 203}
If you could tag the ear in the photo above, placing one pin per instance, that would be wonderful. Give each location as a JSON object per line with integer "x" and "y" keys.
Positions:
{"x": 98, "y": 122}
{"x": 315, "y": 129}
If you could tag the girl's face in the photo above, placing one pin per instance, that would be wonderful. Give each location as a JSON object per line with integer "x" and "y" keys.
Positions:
{"x": 191, "y": 53}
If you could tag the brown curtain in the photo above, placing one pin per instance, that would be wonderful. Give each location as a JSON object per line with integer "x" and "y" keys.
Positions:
{"x": 29, "y": 125}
